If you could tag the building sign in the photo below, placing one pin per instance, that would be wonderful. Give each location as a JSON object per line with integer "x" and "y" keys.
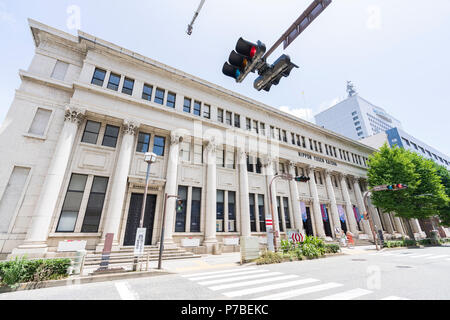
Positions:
{"x": 318, "y": 159}
{"x": 140, "y": 241}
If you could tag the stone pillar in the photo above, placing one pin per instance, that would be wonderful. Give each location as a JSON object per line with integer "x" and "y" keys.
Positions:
{"x": 211, "y": 195}
{"x": 333, "y": 204}
{"x": 416, "y": 228}
{"x": 398, "y": 225}
{"x": 244, "y": 194}
{"x": 113, "y": 215}
{"x": 387, "y": 221}
{"x": 36, "y": 238}
{"x": 171, "y": 187}
{"x": 320, "y": 230}
{"x": 362, "y": 207}
{"x": 298, "y": 221}
{"x": 351, "y": 220}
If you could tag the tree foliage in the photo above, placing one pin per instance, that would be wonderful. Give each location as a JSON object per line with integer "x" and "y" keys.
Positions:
{"x": 426, "y": 195}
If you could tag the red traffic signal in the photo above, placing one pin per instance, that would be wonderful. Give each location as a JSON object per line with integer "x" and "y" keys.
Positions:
{"x": 398, "y": 186}
{"x": 302, "y": 179}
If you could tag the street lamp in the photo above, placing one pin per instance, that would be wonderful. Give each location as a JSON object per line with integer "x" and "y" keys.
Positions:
{"x": 150, "y": 158}
{"x": 161, "y": 242}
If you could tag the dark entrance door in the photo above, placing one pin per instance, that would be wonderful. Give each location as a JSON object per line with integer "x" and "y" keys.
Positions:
{"x": 134, "y": 215}
{"x": 308, "y": 223}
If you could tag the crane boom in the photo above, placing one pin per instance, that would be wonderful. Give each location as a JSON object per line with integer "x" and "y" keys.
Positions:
{"x": 191, "y": 25}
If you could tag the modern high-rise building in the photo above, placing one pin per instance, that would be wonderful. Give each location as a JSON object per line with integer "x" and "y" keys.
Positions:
{"x": 356, "y": 118}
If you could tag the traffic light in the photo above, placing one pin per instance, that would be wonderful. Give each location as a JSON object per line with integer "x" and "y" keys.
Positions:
{"x": 243, "y": 59}
{"x": 180, "y": 206}
{"x": 398, "y": 186}
{"x": 271, "y": 75}
{"x": 302, "y": 179}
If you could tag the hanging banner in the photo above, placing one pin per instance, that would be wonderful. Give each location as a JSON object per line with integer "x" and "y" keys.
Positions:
{"x": 341, "y": 212}
{"x": 323, "y": 208}
{"x": 303, "y": 211}
{"x": 357, "y": 215}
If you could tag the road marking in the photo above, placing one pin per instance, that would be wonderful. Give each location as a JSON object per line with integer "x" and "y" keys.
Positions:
{"x": 125, "y": 292}
{"x": 298, "y": 292}
{"x": 438, "y": 257}
{"x": 347, "y": 295}
{"x": 234, "y": 279}
{"x": 421, "y": 256}
{"x": 237, "y": 273}
{"x": 216, "y": 272}
{"x": 252, "y": 282}
{"x": 394, "y": 298}
{"x": 244, "y": 292}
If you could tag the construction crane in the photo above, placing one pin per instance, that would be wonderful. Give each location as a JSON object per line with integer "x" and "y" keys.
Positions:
{"x": 191, "y": 25}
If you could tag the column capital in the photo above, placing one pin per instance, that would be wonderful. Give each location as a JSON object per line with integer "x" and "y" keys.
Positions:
{"x": 267, "y": 159}
{"x": 176, "y": 137}
{"x": 74, "y": 114}
{"x": 211, "y": 145}
{"x": 292, "y": 164}
{"x": 130, "y": 127}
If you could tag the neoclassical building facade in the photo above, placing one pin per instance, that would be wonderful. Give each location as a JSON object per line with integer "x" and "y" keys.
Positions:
{"x": 87, "y": 111}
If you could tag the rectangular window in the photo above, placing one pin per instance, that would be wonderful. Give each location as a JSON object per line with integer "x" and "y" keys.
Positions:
{"x": 220, "y": 115}
{"x": 311, "y": 145}
{"x": 320, "y": 147}
{"x": 114, "y": 80}
{"x": 72, "y": 203}
{"x": 40, "y": 122}
{"x": 207, "y": 111}
{"x": 248, "y": 124}
{"x": 159, "y": 96}
{"x": 187, "y": 105}
{"x": 287, "y": 218}
{"x": 143, "y": 144}
{"x": 250, "y": 164}
{"x": 198, "y": 153}
{"x": 180, "y": 220}
{"x": 303, "y": 142}
{"x": 185, "y": 151}
{"x": 95, "y": 205}
{"x": 261, "y": 213}
{"x": 263, "y": 128}
{"x": 60, "y": 70}
{"x": 231, "y": 211}
{"x": 258, "y": 165}
{"x": 280, "y": 221}
{"x": 197, "y": 108}
{"x": 229, "y": 120}
{"x": 284, "y": 136}
{"x": 128, "y": 85}
{"x": 293, "y": 138}
{"x": 252, "y": 212}
{"x": 315, "y": 145}
{"x": 147, "y": 92}
{"x": 91, "y": 131}
{"x": 171, "y": 97}
{"x": 220, "y": 207}
{"x": 12, "y": 196}
{"x": 99, "y": 77}
{"x": 220, "y": 153}
{"x": 196, "y": 204}
{"x": 279, "y": 134}
{"x": 237, "y": 120}
{"x": 272, "y": 132}
{"x": 159, "y": 145}
{"x": 255, "y": 127}
{"x": 229, "y": 159}
{"x": 110, "y": 137}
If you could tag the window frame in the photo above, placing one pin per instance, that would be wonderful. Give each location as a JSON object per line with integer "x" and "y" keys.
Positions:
{"x": 111, "y": 85}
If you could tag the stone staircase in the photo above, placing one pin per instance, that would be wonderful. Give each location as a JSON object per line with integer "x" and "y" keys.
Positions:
{"x": 125, "y": 257}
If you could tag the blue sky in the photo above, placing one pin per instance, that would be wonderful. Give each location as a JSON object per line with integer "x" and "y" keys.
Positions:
{"x": 396, "y": 52}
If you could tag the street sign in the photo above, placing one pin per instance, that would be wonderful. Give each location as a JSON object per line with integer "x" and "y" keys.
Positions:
{"x": 295, "y": 236}
{"x": 140, "y": 242}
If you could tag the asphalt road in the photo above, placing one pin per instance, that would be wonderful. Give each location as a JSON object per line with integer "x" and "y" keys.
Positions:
{"x": 393, "y": 275}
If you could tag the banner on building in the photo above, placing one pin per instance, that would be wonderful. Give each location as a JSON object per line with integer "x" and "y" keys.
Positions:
{"x": 341, "y": 212}
{"x": 303, "y": 211}
{"x": 357, "y": 214}
{"x": 323, "y": 208}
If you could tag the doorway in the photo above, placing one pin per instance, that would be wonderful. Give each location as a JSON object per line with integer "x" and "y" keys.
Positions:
{"x": 134, "y": 215}
{"x": 308, "y": 223}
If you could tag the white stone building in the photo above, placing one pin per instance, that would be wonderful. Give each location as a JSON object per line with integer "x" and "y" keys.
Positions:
{"x": 73, "y": 145}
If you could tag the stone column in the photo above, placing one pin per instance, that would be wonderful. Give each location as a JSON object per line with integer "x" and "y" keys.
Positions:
{"x": 362, "y": 207}
{"x": 333, "y": 204}
{"x": 36, "y": 238}
{"x": 298, "y": 221}
{"x": 320, "y": 230}
{"x": 398, "y": 225}
{"x": 351, "y": 220}
{"x": 171, "y": 187}
{"x": 211, "y": 195}
{"x": 113, "y": 215}
{"x": 416, "y": 227}
{"x": 268, "y": 167}
{"x": 387, "y": 220}
{"x": 244, "y": 194}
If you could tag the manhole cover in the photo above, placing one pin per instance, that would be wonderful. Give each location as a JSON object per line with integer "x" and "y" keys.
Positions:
{"x": 404, "y": 267}
{"x": 359, "y": 260}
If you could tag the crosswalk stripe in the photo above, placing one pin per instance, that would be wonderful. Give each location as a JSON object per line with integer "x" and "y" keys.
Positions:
{"x": 298, "y": 292}
{"x": 237, "y": 273}
{"x": 252, "y": 282}
{"x": 347, "y": 295}
{"x": 216, "y": 272}
{"x": 421, "y": 256}
{"x": 437, "y": 257}
{"x": 234, "y": 279}
{"x": 244, "y": 292}
{"x": 394, "y": 298}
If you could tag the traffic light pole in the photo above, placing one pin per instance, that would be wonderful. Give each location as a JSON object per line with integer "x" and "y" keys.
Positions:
{"x": 161, "y": 242}
{"x": 274, "y": 225}
{"x": 369, "y": 214}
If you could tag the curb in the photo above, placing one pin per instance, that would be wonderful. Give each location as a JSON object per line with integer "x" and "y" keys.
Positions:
{"x": 84, "y": 280}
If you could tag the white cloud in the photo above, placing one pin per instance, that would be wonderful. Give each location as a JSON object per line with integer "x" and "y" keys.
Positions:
{"x": 6, "y": 16}
{"x": 303, "y": 113}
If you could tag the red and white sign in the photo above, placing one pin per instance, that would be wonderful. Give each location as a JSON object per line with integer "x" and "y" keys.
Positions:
{"x": 295, "y": 236}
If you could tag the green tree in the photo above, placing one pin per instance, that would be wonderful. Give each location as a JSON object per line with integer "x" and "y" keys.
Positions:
{"x": 444, "y": 211}
{"x": 425, "y": 196}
